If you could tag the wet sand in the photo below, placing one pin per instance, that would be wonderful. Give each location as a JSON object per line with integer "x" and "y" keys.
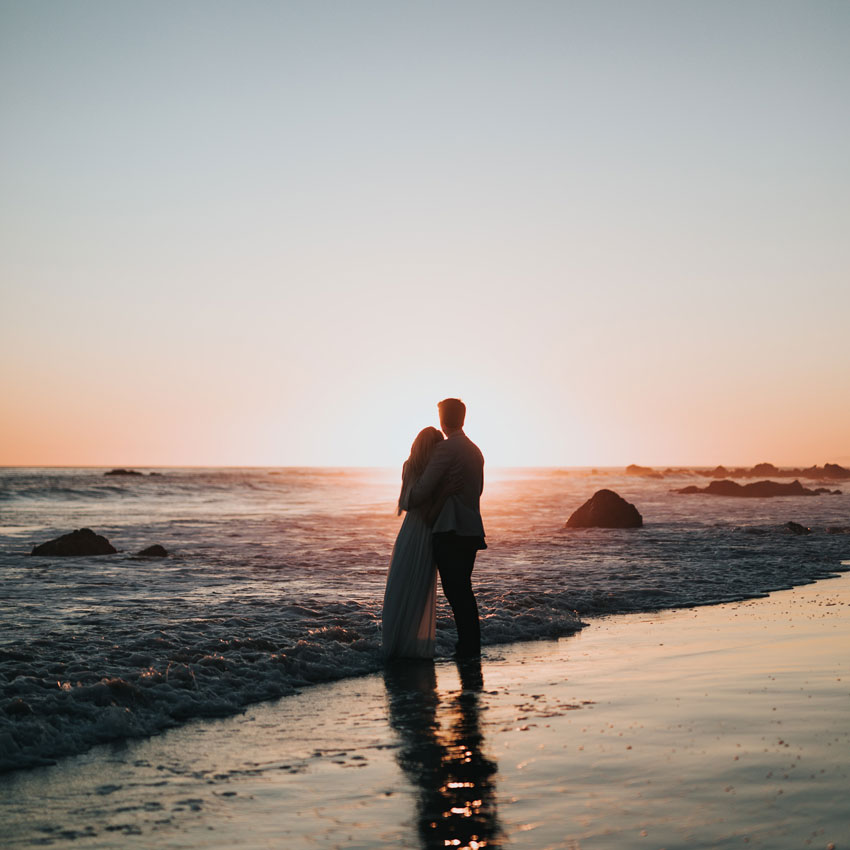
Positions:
{"x": 724, "y": 726}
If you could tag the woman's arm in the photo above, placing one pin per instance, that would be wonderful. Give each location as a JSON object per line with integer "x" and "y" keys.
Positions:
{"x": 432, "y": 507}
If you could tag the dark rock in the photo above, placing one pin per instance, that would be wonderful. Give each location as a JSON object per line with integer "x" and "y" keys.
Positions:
{"x": 18, "y": 708}
{"x": 605, "y": 510}
{"x": 829, "y": 471}
{"x": 122, "y": 472}
{"x": 838, "y": 529}
{"x": 764, "y": 469}
{"x": 796, "y": 528}
{"x": 155, "y": 551}
{"x": 81, "y": 542}
{"x": 756, "y": 490}
{"x": 642, "y": 471}
{"x": 719, "y": 472}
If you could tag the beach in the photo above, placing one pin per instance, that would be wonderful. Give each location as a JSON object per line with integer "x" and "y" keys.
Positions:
{"x": 707, "y": 727}
{"x": 255, "y": 253}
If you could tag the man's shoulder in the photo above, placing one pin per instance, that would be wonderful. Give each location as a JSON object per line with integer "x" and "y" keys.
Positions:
{"x": 463, "y": 445}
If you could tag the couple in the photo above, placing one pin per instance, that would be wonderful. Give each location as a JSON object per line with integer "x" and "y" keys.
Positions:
{"x": 441, "y": 483}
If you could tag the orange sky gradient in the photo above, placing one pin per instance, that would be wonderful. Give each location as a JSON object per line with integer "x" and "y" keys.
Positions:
{"x": 278, "y": 234}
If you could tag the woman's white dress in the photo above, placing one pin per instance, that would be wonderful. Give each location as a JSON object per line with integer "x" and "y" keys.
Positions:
{"x": 410, "y": 600}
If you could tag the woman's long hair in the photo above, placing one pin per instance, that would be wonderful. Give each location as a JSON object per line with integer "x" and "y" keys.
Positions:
{"x": 414, "y": 466}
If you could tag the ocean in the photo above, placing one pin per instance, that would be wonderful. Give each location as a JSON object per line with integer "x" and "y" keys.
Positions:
{"x": 275, "y": 579}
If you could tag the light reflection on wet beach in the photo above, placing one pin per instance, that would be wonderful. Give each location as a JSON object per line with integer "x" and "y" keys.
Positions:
{"x": 442, "y": 754}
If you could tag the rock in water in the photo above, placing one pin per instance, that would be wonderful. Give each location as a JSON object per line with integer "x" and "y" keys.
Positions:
{"x": 757, "y": 490}
{"x": 123, "y": 472}
{"x": 155, "y": 551}
{"x": 796, "y": 528}
{"x": 605, "y": 509}
{"x": 81, "y": 542}
{"x": 643, "y": 471}
{"x": 18, "y": 708}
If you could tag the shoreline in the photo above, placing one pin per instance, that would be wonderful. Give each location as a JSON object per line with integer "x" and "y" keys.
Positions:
{"x": 707, "y": 726}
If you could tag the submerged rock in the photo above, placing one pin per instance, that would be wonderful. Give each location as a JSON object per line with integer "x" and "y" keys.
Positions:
{"x": 796, "y": 528}
{"x": 756, "y": 490}
{"x": 605, "y": 509}
{"x": 123, "y": 472}
{"x": 155, "y": 551}
{"x": 81, "y": 542}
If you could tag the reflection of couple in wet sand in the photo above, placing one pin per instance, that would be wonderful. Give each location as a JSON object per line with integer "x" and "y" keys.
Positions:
{"x": 441, "y": 486}
{"x": 454, "y": 781}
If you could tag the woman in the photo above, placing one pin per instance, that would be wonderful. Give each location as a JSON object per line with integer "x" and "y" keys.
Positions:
{"x": 410, "y": 600}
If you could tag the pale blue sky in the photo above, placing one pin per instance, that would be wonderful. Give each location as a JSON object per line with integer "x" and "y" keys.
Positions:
{"x": 617, "y": 228}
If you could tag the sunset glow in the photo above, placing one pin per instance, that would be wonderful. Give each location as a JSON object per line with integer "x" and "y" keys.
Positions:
{"x": 278, "y": 234}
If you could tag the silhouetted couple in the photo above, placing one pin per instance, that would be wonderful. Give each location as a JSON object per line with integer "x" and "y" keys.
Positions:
{"x": 442, "y": 532}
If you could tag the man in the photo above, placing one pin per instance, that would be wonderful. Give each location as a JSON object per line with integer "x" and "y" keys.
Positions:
{"x": 456, "y": 466}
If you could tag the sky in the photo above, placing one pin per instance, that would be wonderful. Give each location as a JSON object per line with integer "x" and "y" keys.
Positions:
{"x": 277, "y": 233}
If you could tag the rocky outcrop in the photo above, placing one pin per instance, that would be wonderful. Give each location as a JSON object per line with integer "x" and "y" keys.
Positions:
{"x": 81, "y": 542}
{"x": 827, "y": 472}
{"x": 123, "y": 472}
{"x": 796, "y": 528}
{"x": 756, "y": 490}
{"x": 606, "y": 509}
{"x": 155, "y": 551}
{"x": 18, "y": 708}
{"x": 642, "y": 471}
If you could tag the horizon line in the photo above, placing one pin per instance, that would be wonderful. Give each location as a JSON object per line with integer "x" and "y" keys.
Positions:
{"x": 654, "y": 467}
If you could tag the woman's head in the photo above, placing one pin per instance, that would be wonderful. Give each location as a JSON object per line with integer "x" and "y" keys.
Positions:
{"x": 420, "y": 451}
{"x": 415, "y": 465}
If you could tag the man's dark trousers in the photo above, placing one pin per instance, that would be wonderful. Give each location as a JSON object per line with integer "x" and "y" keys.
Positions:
{"x": 455, "y": 557}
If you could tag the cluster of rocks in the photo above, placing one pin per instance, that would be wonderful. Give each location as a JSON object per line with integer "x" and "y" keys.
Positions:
{"x": 130, "y": 472}
{"x": 756, "y": 490}
{"x": 84, "y": 541}
{"x": 827, "y": 472}
{"x": 607, "y": 509}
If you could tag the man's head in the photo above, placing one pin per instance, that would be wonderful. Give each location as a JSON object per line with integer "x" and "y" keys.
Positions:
{"x": 452, "y": 414}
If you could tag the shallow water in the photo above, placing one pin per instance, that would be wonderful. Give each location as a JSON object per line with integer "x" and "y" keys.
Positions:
{"x": 723, "y": 726}
{"x": 276, "y": 577}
